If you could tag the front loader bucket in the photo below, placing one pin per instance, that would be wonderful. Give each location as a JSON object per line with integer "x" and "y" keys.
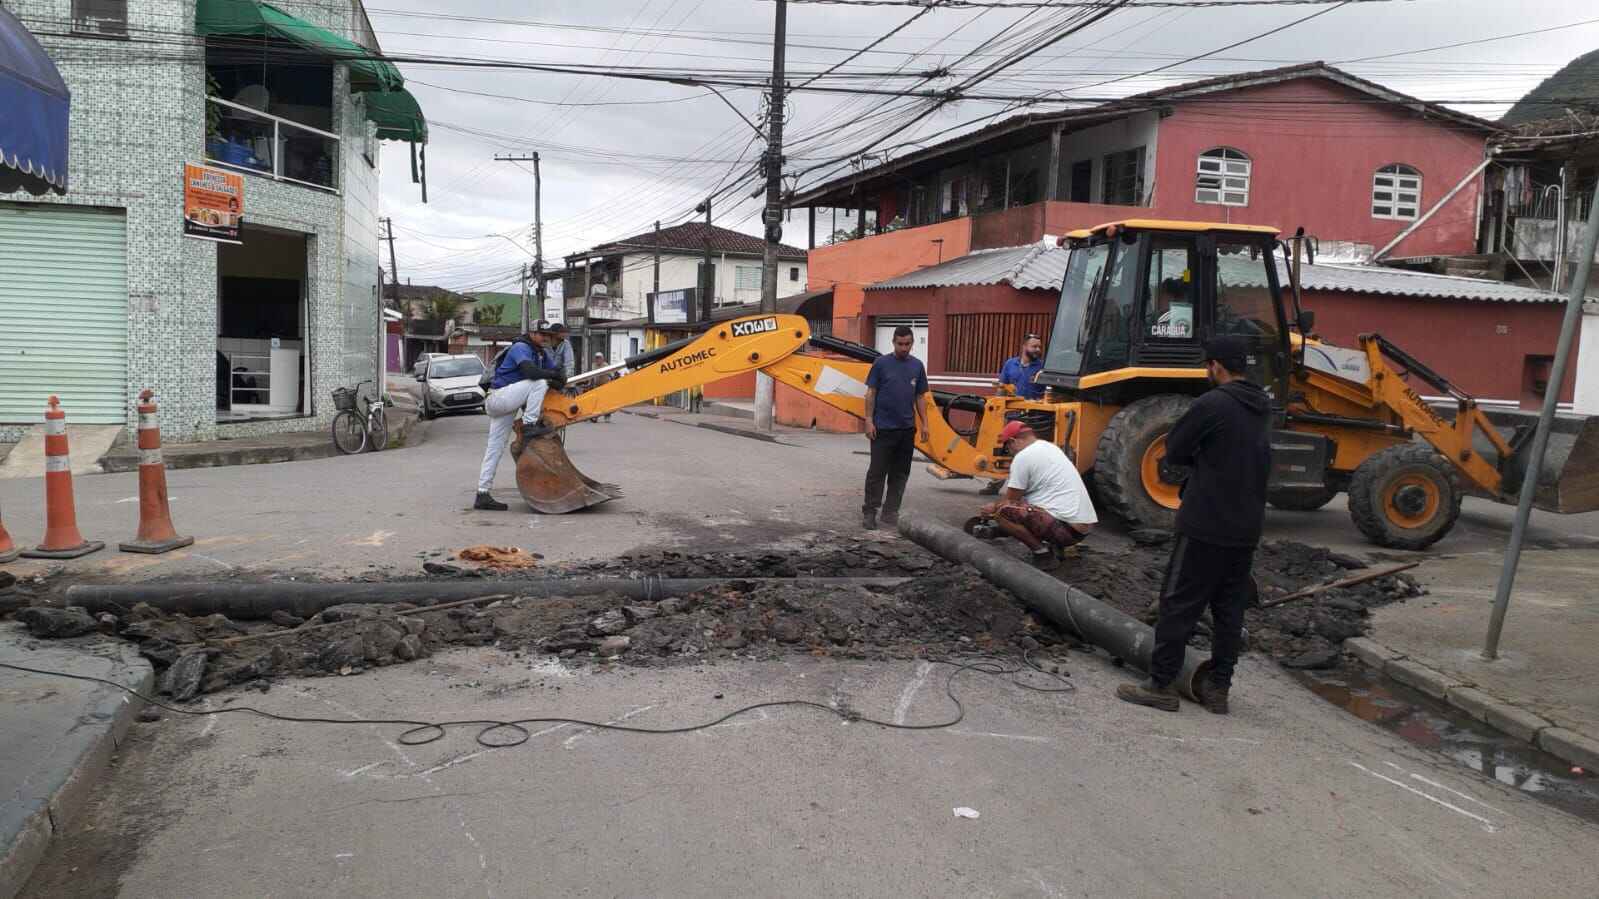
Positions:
{"x": 550, "y": 482}
{"x": 1568, "y": 480}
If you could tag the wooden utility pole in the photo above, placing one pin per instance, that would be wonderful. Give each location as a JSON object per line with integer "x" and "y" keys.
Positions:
{"x": 394, "y": 268}
{"x": 707, "y": 279}
{"x": 772, "y": 216}
{"x": 538, "y": 238}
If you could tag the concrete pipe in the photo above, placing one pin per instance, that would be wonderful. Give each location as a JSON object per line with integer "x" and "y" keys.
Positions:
{"x": 258, "y": 601}
{"x": 1068, "y": 607}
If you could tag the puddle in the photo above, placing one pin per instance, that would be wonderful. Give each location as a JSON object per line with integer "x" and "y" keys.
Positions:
{"x": 1430, "y": 724}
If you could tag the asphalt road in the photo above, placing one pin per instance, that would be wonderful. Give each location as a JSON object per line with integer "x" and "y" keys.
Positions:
{"x": 686, "y": 486}
{"x": 1078, "y": 795}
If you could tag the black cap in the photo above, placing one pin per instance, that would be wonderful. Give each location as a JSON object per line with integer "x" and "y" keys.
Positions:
{"x": 1230, "y": 350}
{"x": 540, "y": 327}
{"x": 557, "y": 328}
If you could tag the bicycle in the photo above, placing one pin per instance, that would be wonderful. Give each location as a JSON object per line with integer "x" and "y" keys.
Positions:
{"x": 359, "y": 424}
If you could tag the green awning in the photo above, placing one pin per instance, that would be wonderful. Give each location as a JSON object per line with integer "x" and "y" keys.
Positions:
{"x": 249, "y": 18}
{"x": 397, "y": 116}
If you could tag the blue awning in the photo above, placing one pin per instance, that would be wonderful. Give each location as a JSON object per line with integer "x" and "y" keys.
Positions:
{"x": 34, "y": 102}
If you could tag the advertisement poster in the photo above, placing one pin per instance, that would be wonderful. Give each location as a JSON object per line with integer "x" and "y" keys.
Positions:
{"x": 213, "y": 203}
{"x": 671, "y": 307}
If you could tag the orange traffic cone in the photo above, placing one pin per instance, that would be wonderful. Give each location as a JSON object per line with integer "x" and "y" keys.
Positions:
{"x": 61, "y": 537}
{"x": 156, "y": 533}
{"x": 8, "y": 550}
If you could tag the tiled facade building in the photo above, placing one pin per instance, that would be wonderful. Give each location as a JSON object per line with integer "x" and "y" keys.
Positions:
{"x": 102, "y": 295}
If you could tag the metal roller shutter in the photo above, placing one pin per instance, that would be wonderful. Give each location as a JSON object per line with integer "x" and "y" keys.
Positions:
{"x": 63, "y": 312}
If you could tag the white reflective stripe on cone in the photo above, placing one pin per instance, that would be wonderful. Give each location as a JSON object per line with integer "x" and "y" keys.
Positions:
{"x": 147, "y": 421}
{"x": 55, "y": 427}
{"x": 57, "y": 463}
{"x": 150, "y": 457}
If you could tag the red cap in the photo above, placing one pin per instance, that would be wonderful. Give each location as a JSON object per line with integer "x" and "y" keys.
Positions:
{"x": 1012, "y": 429}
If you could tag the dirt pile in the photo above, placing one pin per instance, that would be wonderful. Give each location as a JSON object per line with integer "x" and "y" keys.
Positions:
{"x": 941, "y": 610}
{"x": 1305, "y": 633}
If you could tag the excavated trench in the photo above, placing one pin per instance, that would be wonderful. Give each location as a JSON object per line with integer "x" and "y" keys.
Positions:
{"x": 940, "y": 610}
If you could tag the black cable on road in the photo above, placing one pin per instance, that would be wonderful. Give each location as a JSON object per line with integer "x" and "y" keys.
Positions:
{"x": 421, "y": 733}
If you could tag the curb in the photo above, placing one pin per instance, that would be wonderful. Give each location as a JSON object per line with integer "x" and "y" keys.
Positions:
{"x": 111, "y": 714}
{"x": 1506, "y": 717}
{"x": 177, "y": 459}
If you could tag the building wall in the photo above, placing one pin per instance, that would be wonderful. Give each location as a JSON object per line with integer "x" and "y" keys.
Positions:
{"x": 886, "y": 255}
{"x": 1487, "y": 346}
{"x": 1095, "y": 143}
{"x": 134, "y": 123}
{"x": 938, "y": 302}
{"x": 682, "y": 271}
{"x": 1313, "y": 162}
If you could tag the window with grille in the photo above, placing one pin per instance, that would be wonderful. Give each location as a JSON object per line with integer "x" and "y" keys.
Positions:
{"x": 100, "y": 16}
{"x": 747, "y": 277}
{"x": 979, "y": 343}
{"x": 1396, "y": 192}
{"x": 1124, "y": 177}
{"x": 1223, "y": 177}
{"x": 793, "y": 273}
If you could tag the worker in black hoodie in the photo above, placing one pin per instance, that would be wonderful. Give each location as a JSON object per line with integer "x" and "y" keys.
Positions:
{"x": 1225, "y": 438}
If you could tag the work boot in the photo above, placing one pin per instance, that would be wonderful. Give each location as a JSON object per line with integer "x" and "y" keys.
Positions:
{"x": 869, "y": 520}
{"x": 1215, "y": 698}
{"x": 517, "y": 443}
{"x": 889, "y": 518}
{"x": 1147, "y": 693}
{"x": 1044, "y": 559}
{"x": 487, "y": 503}
{"x": 991, "y": 488}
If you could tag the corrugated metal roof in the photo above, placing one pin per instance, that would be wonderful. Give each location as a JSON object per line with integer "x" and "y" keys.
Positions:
{"x": 1039, "y": 267}
{"x": 1032, "y": 267}
{"x": 1396, "y": 282}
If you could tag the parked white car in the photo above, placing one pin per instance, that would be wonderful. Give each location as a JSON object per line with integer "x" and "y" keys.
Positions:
{"x": 450, "y": 384}
{"x": 421, "y": 363}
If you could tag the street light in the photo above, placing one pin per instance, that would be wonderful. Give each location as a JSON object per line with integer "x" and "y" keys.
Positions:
{"x": 512, "y": 243}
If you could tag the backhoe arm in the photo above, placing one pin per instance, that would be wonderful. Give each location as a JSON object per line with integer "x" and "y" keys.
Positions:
{"x": 727, "y": 349}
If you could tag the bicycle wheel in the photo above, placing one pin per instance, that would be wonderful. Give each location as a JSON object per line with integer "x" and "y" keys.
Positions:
{"x": 348, "y": 433}
{"x": 377, "y": 430}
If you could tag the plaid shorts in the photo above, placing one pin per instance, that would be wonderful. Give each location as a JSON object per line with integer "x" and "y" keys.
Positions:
{"x": 1041, "y": 524}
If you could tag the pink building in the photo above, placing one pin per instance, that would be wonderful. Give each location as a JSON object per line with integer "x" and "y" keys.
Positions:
{"x": 1350, "y": 161}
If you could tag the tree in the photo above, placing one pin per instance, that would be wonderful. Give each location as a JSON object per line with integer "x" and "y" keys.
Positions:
{"x": 445, "y": 306}
{"x": 490, "y": 313}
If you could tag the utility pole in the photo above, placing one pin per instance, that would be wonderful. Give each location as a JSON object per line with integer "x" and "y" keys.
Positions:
{"x": 772, "y": 217}
{"x": 524, "y": 298}
{"x": 394, "y": 269}
{"x": 657, "y": 288}
{"x": 538, "y": 236}
{"x": 707, "y": 279}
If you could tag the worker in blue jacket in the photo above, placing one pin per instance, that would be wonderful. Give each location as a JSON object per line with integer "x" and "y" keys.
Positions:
{"x": 523, "y": 373}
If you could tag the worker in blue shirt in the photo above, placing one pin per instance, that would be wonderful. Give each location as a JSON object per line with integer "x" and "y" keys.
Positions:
{"x": 896, "y": 416}
{"x": 523, "y": 373}
{"x": 1019, "y": 371}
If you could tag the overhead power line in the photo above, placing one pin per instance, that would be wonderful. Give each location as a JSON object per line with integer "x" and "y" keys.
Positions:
{"x": 1088, "y": 4}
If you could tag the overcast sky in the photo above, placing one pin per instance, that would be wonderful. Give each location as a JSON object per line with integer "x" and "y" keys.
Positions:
{"x": 647, "y": 151}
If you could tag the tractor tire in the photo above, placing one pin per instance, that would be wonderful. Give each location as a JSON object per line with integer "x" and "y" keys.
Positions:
{"x": 1405, "y": 497}
{"x": 1126, "y": 462}
{"x": 1300, "y": 499}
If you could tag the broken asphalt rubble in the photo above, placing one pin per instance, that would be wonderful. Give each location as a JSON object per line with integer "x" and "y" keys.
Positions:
{"x": 942, "y": 611}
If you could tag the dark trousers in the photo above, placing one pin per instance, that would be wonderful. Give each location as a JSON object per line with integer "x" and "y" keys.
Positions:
{"x": 891, "y": 460}
{"x": 1202, "y": 575}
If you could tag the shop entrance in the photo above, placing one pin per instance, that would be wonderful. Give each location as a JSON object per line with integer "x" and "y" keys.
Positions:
{"x": 262, "y": 366}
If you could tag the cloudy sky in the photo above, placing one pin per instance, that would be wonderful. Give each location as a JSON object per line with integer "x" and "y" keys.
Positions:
{"x": 619, "y": 154}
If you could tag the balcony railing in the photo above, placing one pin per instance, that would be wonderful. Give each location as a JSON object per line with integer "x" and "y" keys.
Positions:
{"x": 253, "y": 141}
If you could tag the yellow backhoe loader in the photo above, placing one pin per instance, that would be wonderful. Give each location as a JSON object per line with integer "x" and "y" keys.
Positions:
{"x": 1124, "y": 361}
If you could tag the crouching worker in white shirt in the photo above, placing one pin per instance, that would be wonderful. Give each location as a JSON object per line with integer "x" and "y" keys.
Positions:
{"x": 1046, "y": 505}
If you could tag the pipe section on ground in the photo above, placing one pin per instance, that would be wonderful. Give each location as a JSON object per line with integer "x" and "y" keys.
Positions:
{"x": 1068, "y": 607}
{"x": 259, "y": 600}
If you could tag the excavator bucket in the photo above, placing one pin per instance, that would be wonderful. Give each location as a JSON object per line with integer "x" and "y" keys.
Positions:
{"x": 550, "y": 482}
{"x": 1568, "y": 480}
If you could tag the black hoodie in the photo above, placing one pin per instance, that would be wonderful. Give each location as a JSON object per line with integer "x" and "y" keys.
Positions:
{"x": 1226, "y": 437}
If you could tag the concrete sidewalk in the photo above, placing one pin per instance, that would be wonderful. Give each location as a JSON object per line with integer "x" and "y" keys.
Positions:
{"x": 1541, "y": 688}
{"x": 57, "y": 736}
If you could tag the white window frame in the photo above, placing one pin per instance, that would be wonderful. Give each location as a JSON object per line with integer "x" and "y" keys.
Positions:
{"x": 1396, "y": 193}
{"x": 741, "y": 275}
{"x": 1223, "y": 176}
